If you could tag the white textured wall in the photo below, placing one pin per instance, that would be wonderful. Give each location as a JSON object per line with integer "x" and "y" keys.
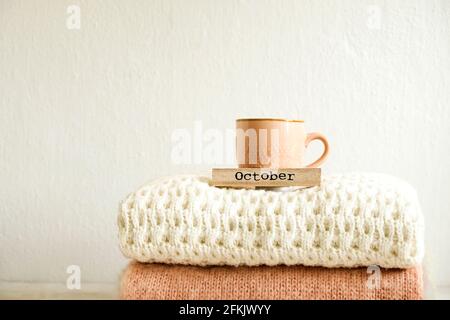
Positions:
{"x": 86, "y": 115}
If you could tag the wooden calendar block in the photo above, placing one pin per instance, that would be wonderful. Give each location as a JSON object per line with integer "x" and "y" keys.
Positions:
{"x": 264, "y": 177}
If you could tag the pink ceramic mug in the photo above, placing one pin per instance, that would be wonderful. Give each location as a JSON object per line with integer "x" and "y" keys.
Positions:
{"x": 275, "y": 143}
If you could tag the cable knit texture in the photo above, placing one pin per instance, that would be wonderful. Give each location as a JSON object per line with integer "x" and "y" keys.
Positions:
{"x": 350, "y": 220}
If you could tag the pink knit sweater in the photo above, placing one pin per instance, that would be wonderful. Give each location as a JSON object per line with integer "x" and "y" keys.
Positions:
{"x": 168, "y": 282}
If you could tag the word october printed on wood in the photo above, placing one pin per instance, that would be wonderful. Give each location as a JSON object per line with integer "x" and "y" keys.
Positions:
{"x": 254, "y": 177}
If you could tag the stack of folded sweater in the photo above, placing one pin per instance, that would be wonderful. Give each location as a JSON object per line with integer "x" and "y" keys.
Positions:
{"x": 357, "y": 236}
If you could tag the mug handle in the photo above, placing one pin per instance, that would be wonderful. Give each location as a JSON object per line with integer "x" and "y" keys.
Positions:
{"x": 317, "y": 136}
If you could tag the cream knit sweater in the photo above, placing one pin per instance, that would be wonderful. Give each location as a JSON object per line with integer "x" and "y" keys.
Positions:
{"x": 351, "y": 220}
